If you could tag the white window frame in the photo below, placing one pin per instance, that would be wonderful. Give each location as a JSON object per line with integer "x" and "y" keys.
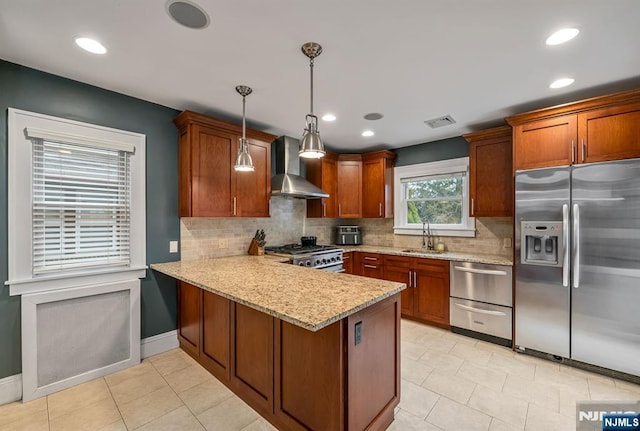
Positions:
{"x": 443, "y": 167}
{"x": 21, "y": 280}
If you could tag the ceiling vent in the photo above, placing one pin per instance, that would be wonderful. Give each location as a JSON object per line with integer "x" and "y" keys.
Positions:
{"x": 447, "y": 120}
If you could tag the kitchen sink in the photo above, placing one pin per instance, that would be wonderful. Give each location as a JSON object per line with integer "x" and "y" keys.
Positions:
{"x": 422, "y": 251}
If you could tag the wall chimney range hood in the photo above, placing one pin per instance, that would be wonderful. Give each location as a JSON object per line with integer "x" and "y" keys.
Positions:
{"x": 287, "y": 180}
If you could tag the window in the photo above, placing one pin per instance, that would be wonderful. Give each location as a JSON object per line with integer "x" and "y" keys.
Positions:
{"x": 81, "y": 206}
{"x": 436, "y": 193}
{"x": 76, "y": 203}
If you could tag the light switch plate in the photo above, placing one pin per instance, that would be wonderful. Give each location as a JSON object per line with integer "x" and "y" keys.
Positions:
{"x": 173, "y": 246}
{"x": 223, "y": 243}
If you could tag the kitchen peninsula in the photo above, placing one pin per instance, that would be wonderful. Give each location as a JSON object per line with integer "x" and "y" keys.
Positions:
{"x": 307, "y": 349}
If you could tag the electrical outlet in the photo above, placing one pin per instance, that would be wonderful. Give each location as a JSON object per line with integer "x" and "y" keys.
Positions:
{"x": 358, "y": 333}
{"x": 223, "y": 243}
{"x": 388, "y": 237}
{"x": 173, "y": 246}
{"x": 506, "y": 242}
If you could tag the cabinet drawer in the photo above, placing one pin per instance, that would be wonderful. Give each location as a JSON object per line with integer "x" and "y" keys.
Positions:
{"x": 370, "y": 258}
{"x": 431, "y": 265}
{"x": 397, "y": 261}
{"x": 480, "y": 317}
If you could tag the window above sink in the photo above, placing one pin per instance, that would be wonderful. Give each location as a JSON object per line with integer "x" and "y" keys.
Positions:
{"x": 437, "y": 192}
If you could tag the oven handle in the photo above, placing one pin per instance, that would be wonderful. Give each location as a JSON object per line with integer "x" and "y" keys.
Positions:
{"x": 480, "y": 271}
{"x": 480, "y": 310}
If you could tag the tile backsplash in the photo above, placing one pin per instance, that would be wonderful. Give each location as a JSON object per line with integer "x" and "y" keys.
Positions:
{"x": 202, "y": 238}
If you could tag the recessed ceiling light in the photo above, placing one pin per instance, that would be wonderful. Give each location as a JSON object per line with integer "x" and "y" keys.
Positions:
{"x": 329, "y": 117}
{"x": 188, "y": 14}
{"x": 372, "y": 116}
{"x": 368, "y": 133}
{"x": 562, "y": 36}
{"x": 90, "y": 45}
{"x": 562, "y": 82}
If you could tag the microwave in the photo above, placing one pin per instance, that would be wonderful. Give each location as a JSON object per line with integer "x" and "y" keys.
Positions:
{"x": 348, "y": 235}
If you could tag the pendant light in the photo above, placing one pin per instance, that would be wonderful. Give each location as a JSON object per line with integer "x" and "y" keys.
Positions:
{"x": 243, "y": 161}
{"x": 311, "y": 146}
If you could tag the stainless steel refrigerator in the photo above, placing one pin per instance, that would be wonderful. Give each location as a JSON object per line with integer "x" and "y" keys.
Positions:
{"x": 577, "y": 288}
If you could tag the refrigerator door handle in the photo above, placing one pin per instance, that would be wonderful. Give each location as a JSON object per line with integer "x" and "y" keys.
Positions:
{"x": 565, "y": 245}
{"x": 576, "y": 246}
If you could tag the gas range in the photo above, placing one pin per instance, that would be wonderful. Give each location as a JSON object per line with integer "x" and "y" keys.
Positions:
{"x": 325, "y": 257}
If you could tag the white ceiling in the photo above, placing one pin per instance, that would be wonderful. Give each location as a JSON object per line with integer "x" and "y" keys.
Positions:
{"x": 412, "y": 60}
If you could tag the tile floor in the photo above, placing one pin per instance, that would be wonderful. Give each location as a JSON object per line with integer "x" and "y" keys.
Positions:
{"x": 449, "y": 382}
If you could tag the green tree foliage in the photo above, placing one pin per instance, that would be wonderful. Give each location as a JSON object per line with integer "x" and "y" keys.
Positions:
{"x": 437, "y": 200}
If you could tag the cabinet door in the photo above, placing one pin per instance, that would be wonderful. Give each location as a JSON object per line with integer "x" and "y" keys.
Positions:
{"x": 213, "y": 178}
{"x": 253, "y": 189}
{"x": 349, "y": 189}
{"x": 324, "y": 174}
{"x": 491, "y": 178}
{"x": 189, "y": 307}
{"x": 401, "y": 275}
{"x": 215, "y": 334}
{"x": 611, "y": 133}
{"x": 347, "y": 262}
{"x": 377, "y": 184}
{"x": 431, "y": 293}
{"x": 543, "y": 143}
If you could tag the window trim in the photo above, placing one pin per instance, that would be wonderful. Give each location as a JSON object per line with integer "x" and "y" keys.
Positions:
{"x": 441, "y": 167}
{"x": 21, "y": 280}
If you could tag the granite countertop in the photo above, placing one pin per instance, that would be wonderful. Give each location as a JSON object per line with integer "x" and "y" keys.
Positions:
{"x": 309, "y": 298}
{"x": 459, "y": 257}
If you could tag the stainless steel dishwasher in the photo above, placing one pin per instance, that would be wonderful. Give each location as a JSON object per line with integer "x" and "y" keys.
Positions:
{"x": 481, "y": 301}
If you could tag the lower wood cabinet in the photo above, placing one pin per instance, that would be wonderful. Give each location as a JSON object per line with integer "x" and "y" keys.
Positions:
{"x": 347, "y": 262}
{"x": 427, "y": 294}
{"x": 297, "y": 379}
{"x": 368, "y": 264}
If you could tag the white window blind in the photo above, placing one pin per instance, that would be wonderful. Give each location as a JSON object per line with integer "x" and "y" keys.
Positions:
{"x": 81, "y": 208}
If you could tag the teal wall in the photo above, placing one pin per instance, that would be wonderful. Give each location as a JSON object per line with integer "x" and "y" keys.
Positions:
{"x": 444, "y": 149}
{"x": 32, "y": 90}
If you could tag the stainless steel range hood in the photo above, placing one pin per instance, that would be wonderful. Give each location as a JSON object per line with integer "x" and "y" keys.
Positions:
{"x": 287, "y": 180}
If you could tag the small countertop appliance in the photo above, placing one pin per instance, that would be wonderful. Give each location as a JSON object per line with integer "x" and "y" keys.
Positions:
{"x": 348, "y": 235}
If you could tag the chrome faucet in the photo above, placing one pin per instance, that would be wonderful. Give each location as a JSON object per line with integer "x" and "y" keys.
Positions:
{"x": 426, "y": 236}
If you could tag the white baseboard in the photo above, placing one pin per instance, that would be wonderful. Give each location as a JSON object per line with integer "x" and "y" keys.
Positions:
{"x": 10, "y": 389}
{"x": 158, "y": 344}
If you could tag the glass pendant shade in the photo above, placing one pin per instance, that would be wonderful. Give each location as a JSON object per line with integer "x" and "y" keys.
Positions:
{"x": 311, "y": 146}
{"x": 243, "y": 161}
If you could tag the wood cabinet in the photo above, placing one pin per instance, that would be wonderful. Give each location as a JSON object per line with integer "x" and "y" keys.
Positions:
{"x": 347, "y": 262}
{"x": 368, "y": 264}
{"x": 427, "y": 295}
{"x": 593, "y": 130}
{"x": 377, "y": 184}
{"x": 324, "y": 174}
{"x": 340, "y": 175}
{"x": 298, "y": 379}
{"x": 208, "y": 184}
{"x": 349, "y": 186}
{"x": 189, "y": 317}
{"x": 490, "y": 173}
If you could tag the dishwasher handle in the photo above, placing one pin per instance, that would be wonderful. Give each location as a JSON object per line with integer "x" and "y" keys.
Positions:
{"x": 480, "y": 271}
{"x": 479, "y": 310}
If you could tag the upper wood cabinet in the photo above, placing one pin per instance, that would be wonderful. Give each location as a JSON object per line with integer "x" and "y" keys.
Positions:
{"x": 490, "y": 173}
{"x": 377, "y": 184}
{"x": 349, "y": 186}
{"x": 593, "y": 130}
{"x": 324, "y": 174}
{"x": 208, "y": 184}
